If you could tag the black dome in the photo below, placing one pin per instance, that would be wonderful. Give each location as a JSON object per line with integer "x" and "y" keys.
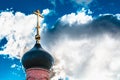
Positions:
{"x": 37, "y": 57}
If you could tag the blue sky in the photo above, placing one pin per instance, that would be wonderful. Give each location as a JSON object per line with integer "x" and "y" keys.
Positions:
{"x": 10, "y": 68}
{"x": 61, "y": 17}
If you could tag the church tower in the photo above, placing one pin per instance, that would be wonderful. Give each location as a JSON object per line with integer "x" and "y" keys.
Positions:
{"x": 37, "y": 62}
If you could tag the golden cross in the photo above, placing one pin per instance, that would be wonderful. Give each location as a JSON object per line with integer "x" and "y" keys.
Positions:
{"x": 37, "y": 36}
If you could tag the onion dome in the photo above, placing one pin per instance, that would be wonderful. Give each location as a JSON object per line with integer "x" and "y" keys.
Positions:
{"x": 37, "y": 57}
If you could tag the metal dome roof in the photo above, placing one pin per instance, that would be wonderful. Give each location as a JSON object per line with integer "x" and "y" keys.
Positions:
{"x": 37, "y": 57}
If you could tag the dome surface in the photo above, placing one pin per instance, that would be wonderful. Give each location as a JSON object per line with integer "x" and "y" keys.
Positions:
{"x": 37, "y": 58}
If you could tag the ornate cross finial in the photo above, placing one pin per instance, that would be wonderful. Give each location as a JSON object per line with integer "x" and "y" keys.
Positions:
{"x": 37, "y": 36}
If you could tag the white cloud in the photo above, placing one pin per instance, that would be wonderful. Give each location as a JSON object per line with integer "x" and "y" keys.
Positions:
{"x": 118, "y": 16}
{"x": 86, "y": 51}
{"x": 79, "y": 18}
{"x": 85, "y": 59}
{"x": 16, "y": 67}
{"x": 13, "y": 66}
{"x": 18, "y": 29}
{"x": 47, "y": 12}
